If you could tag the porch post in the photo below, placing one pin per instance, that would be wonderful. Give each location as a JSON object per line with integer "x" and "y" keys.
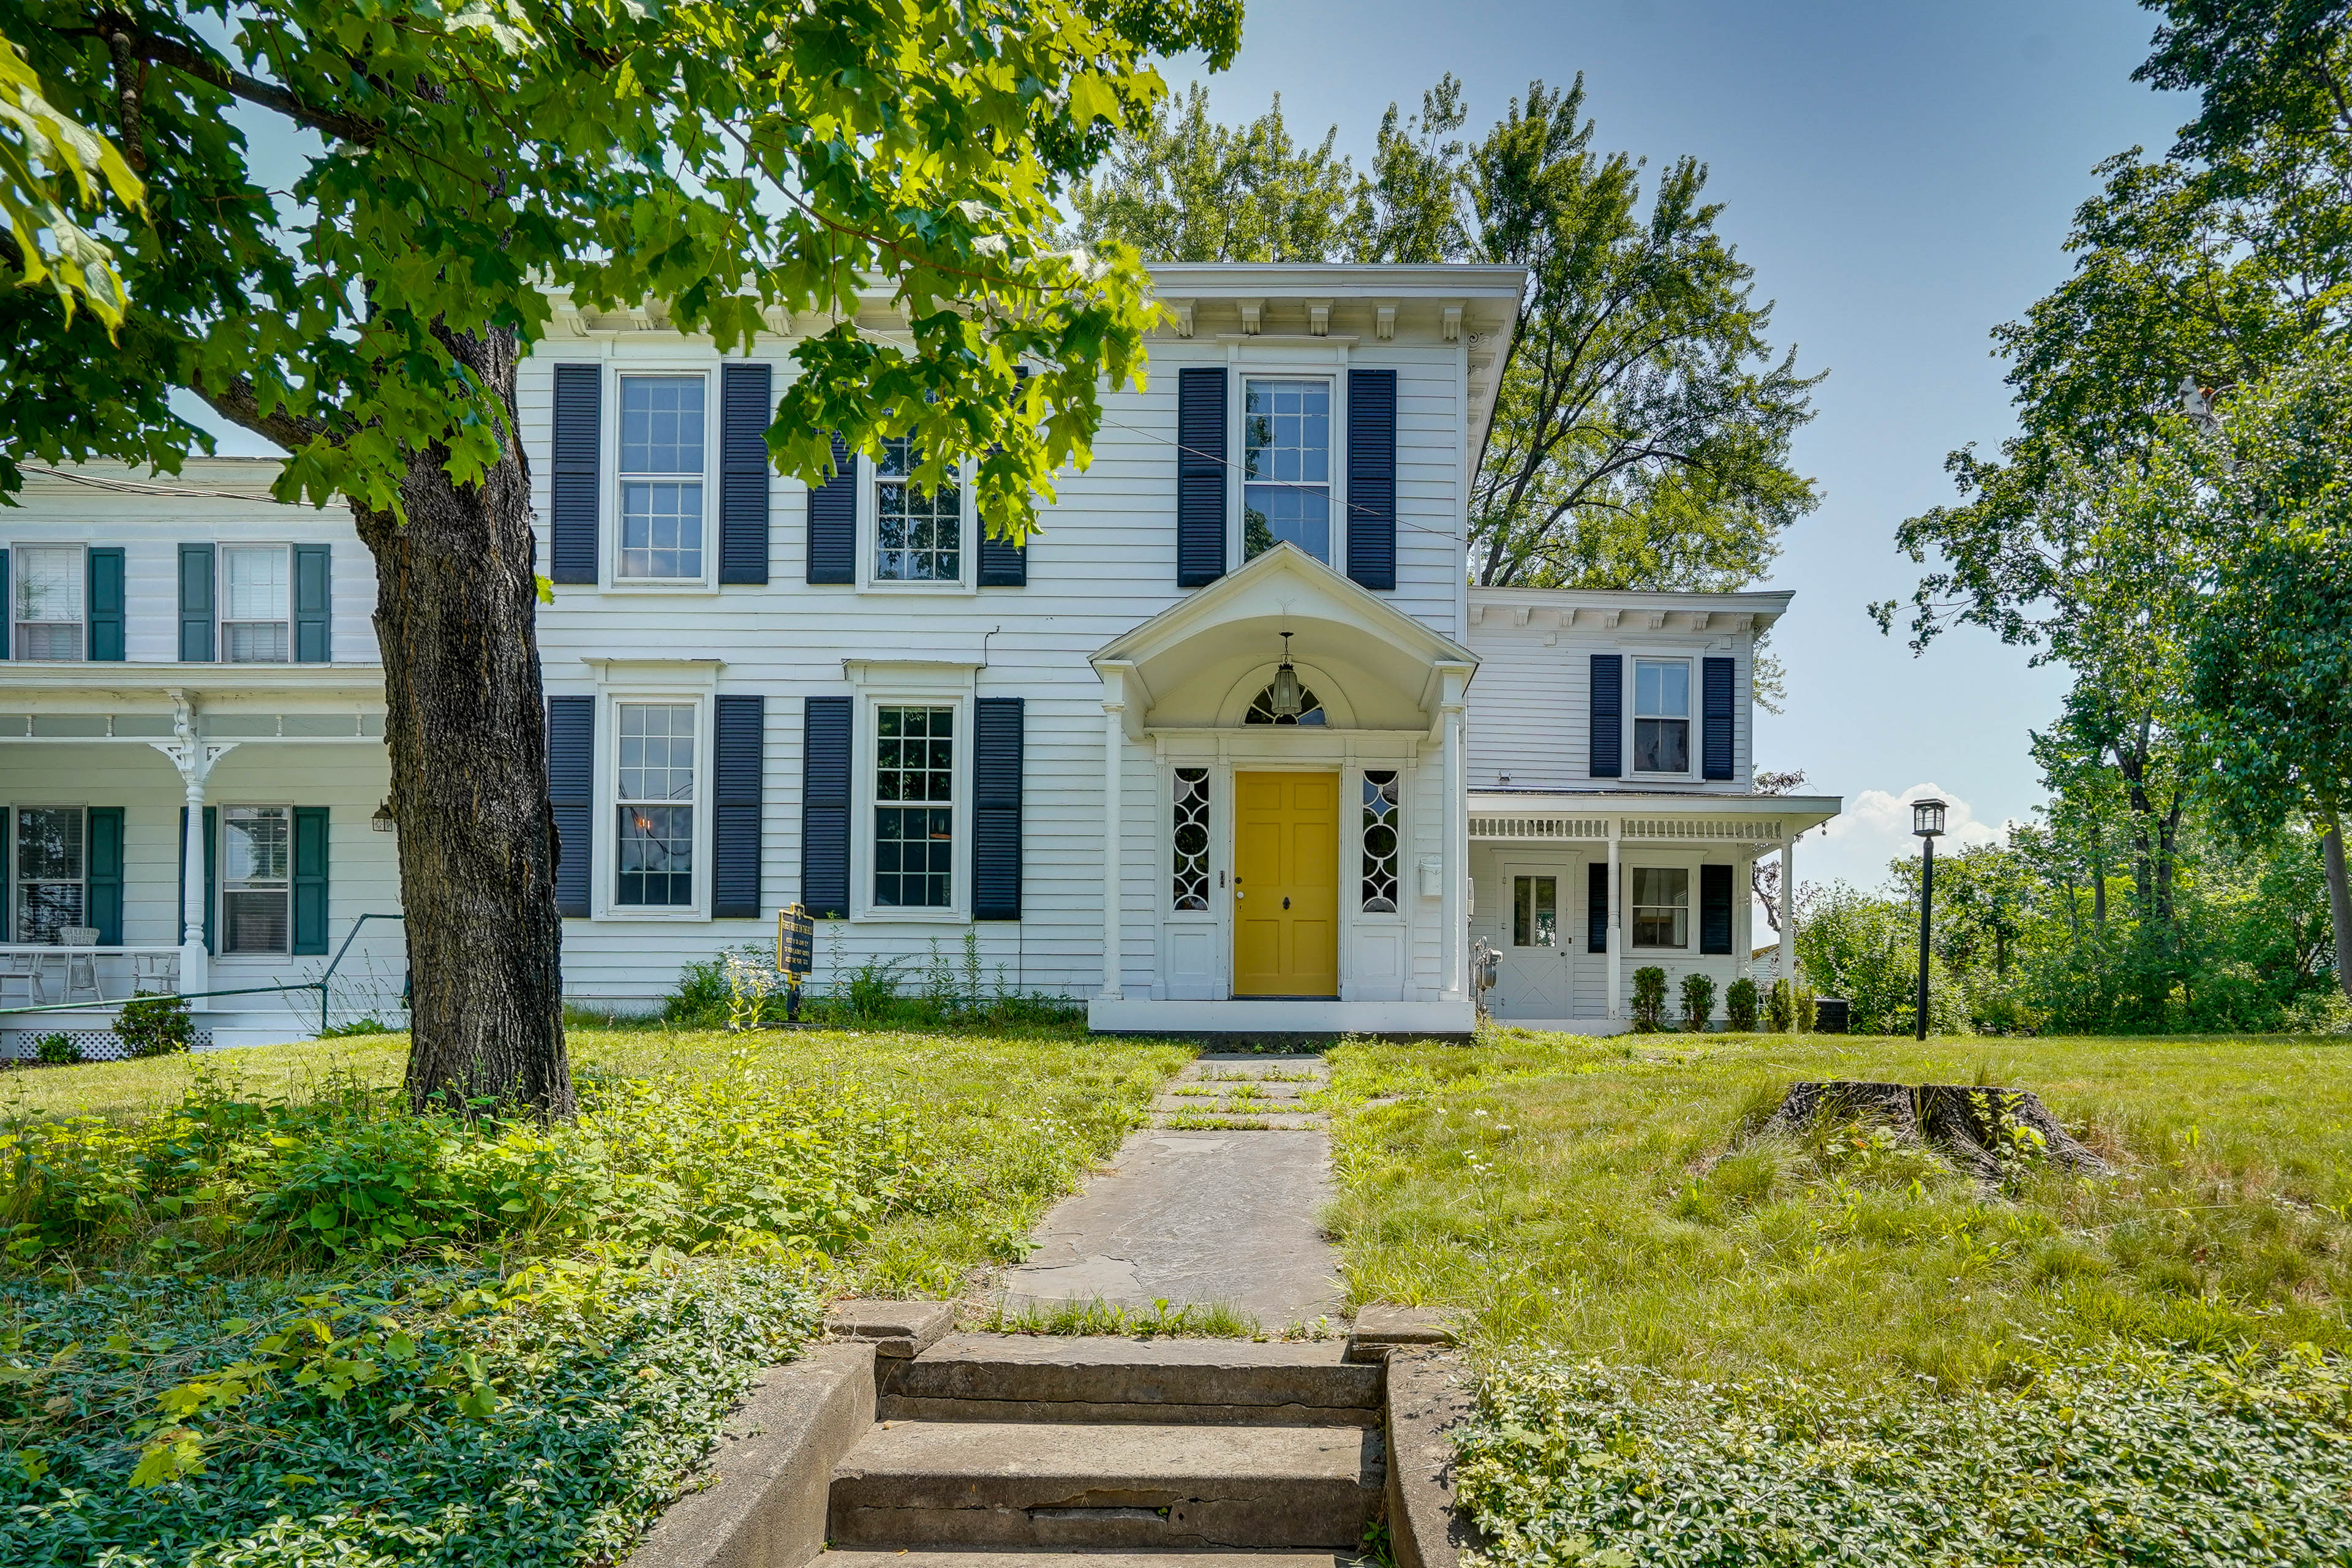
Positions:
{"x": 1114, "y": 744}
{"x": 1788, "y": 912}
{"x": 1616, "y": 927}
{"x": 1457, "y": 835}
{"x": 193, "y": 759}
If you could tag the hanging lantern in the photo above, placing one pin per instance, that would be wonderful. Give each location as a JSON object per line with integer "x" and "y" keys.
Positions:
{"x": 382, "y": 820}
{"x": 1286, "y": 700}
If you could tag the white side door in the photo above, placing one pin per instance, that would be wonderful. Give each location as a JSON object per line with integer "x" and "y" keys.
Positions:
{"x": 1532, "y": 980}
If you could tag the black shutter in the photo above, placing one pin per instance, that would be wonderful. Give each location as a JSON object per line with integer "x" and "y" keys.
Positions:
{"x": 1372, "y": 478}
{"x": 1003, "y": 562}
{"x": 7, "y": 617}
{"x": 1607, "y": 716}
{"x": 741, "y": 733}
{"x": 996, "y": 809}
{"x": 573, "y": 480}
{"x": 825, "y": 807}
{"x": 1714, "y": 909}
{"x": 314, "y": 593}
{"x": 196, "y": 604}
{"x": 310, "y": 881}
{"x": 832, "y": 522}
{"x": 744, "y": 412}
{"x": 105, "y": 606}
{"x": 1715, "y": 745}
{"x": 1200, "y": 476}
{"x": 1596, "y": 907}
{"x": 570, "y": 775}
{"x": 211, "y": 875}
{"x": 105, "y": 868}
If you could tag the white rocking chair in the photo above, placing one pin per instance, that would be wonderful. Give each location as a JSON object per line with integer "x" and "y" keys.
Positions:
{"x": 81, "y": 964}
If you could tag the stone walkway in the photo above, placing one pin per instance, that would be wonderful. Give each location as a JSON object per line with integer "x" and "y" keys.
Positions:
{"x": 1215, "y": 1203}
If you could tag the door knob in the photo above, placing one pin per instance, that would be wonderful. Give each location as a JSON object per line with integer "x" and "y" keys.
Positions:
{"x": 1239, "y": 894}
{"x": 1285, "y": 903}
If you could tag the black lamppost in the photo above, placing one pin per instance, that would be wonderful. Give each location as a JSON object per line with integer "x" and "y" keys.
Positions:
{"x": 1928, "y": 822}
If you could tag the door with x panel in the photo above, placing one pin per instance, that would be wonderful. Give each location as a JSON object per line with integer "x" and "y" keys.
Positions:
{"x": 1533, "y": 979}
{"x": 1286, "y": 884}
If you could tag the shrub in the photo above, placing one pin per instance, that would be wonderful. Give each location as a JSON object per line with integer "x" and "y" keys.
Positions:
{"x": 1698, "y": 1001}
{"x": 871, "y": 988}
{"x": 57, "y": 1049}
{"x": 1739, "y": 1005}
{"x": 156, "y": 1025}
{"x": 1649, "y": 998}
{"x": 2125, "y": 1461}
{"x": 1780, "y": 1007}
{"x": 700, "y": 999}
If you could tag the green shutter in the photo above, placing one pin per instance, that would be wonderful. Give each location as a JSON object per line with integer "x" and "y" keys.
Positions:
{"x": 7, "y": 838}
{"x": 309, "y": 879}
{"x": 313, "y": 599}
{"x": 105, "y": 604}
{"x": 196, "y": 604}
{"x": 212, "y": 873}
{"x": 7, "y": 605}
{"x": 104, "y": 842}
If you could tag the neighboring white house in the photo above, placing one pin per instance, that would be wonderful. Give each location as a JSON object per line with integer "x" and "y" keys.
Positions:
{"x": 1081, "y": 751}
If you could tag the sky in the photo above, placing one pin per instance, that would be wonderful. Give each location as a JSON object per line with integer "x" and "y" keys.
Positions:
{"x": 1902, "y": 177}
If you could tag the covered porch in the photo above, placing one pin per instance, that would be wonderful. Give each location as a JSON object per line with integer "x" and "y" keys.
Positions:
{"x": 1574, "y": 890}
{"x": 1282, "y": 815}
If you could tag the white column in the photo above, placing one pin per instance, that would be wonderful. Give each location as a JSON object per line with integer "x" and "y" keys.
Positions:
{"x": 1788, "y": 912}
{"x": 1616, "y": 928}
{"x": 1114, "y": 744}
{"x": 1457, "y": 857}
{"x": 193, "y": 759}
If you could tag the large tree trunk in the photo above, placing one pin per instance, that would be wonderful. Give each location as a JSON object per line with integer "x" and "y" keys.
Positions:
{"x": 2339, "y": 902}
{"x": 456, "y": 601}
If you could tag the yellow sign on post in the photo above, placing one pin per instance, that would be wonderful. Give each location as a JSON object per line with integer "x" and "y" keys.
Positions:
{"x": 795, "y": 947}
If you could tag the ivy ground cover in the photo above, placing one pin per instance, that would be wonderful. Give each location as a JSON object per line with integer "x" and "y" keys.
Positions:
{"x": 1707, "y": 1346}
{"x": 253, "y": 1312}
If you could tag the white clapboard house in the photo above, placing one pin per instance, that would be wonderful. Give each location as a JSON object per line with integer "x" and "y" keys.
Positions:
{"x": 1227, "y": 746}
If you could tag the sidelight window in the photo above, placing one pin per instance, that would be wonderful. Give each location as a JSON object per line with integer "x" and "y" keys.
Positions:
{"x": 1379, "y": 842}
{"x": 1190, "y": 829}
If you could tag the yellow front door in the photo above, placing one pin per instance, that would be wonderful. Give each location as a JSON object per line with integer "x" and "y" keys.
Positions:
{"x": 1286, "y": 884}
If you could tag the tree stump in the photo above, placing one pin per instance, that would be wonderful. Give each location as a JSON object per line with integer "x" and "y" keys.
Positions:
{"x": 1965, "y": 1122}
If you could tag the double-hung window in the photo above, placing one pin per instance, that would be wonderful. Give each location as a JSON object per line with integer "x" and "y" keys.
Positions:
{"x": 257, "y": 878}
{"x": 661, "y": 478}
{"x": 1286, "y": 465}
{"x": 914, "y": 808}
{"x": 1662, "y": 715}
{"x": 1662, "y": 906}
{"x": 655, "y": 787}
{"x": 52, "y": 862}
{"x": 257, "y": 589}
{"x": 917, "y": 533}
{"x": 48, "y": 607}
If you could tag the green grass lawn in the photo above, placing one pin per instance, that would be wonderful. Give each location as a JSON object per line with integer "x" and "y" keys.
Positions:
{"x": 1599, "y": 1197}
{"x": 252, "y": 1312}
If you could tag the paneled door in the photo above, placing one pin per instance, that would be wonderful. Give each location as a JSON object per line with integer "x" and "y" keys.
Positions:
{"x": 1286, "y": 884}
{"x": 1533, "y": 979}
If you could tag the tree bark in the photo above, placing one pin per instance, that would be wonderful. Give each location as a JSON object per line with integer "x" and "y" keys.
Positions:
{"x": 2339, "y": 902}
{"x": 457, "y": 599}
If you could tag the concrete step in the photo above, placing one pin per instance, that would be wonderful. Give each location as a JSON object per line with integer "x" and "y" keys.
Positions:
{"x": 1068, "y": 1379}
{"x": 1057, "y": 1485}
{"x": 1205, "y": 1557}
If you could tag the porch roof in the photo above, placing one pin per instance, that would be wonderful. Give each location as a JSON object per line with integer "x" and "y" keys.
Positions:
{"x": 1654, "y": 815}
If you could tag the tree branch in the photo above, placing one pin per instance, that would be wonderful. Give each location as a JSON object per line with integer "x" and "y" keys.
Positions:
{"x": 235, "y": 401}
{"x": 267, "y": 95}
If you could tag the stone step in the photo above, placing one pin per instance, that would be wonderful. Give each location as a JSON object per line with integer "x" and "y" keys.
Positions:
{"x": 1067, "y": 1378}
{"x": 1057, "y": 1485}
{"x": 1202, "y": 1557}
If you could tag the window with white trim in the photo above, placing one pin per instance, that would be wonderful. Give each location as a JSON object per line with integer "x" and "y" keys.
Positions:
{"x": 1286, "y": 465}
{"x": 50, "y": 580}
{"x": 256, "y": 873}
{"x": 1379, "y": 842}
{"x": 1662, "y": 906}
{"x": 52, "y": 870}
{"x": 1662, "y": 715}
{"x": 257, "y": 586}
{"x": 917, "y": 533}
{"x": 1191, "y": 840}
{"x": 661, "y": 478}
{"x": 653, "y": 785}
{"x": 914, "y": 808}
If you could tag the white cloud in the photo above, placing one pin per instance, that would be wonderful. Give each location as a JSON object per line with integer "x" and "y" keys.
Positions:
{"x": 1875, "y": 828}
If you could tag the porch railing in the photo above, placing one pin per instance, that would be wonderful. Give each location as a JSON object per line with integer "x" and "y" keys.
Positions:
{"x": 44, "y": 975}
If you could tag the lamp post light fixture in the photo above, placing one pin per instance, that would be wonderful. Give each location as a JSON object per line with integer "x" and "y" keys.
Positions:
{"x": 1928, "y": 823}
{"x": 382, "y": 819}
{"x": 1286, "y": 700}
